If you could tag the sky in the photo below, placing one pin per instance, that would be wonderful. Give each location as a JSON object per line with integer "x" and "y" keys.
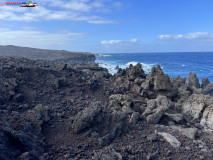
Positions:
{"x": 110, "y": 26}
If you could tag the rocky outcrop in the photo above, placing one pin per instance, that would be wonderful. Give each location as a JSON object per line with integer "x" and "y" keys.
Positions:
{"x": 87, "y": 117}
{"x": 132, "y": 72}
{"x": 156, "y": 109}
{"x": 158, "y": 83}
{"x": 208, "y": 90}
{"x": 193, "y": 82}
{"x": 207, "y": 117}
{"x": 198, "y": 109}
{"x": 205, "y": 82}
{"x": 38, "y": 116}
{"x": 193, "y": 107}
{"x": 114, "y": 125}
{"x": 121, "y": 102}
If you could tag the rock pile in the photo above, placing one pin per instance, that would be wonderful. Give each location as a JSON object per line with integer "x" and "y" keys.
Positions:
{"x": 64, "y": 111}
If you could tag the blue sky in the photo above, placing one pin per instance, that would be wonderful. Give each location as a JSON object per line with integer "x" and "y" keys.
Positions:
{"x": 109, "y": 26}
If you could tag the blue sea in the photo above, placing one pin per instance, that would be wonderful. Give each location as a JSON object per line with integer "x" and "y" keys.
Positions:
{"x": 173, "y": 64}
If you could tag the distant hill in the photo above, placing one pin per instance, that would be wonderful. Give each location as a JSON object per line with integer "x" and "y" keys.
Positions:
{"x": 52, "y": 55}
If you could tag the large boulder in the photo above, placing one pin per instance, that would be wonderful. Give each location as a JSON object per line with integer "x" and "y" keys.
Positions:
{"x": 38, "y": 116}
{"x": 192, "y": 108}
{"x": 198, "y": 108}
{"x": 87, "y": 117}
{"x": 156, "y": 109}
{"x": 121, "y": 102}
{"x": 114, "y": 124}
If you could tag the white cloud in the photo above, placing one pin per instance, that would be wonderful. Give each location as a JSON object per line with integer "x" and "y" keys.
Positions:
{"x": 73, "y": 10}
{"x": 134, "y": 40}
{"x": 38, "y": 39}
{"x": 189, "y": 36}
{"x": 131, "y": 41}
{"x": 111, "y": 42}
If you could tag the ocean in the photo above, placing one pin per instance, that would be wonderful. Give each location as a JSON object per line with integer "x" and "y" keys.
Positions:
{"x": 173, "y": 64}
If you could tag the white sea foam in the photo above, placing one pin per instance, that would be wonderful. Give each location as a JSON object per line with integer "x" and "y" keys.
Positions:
{"x": 111, "y": 66}
{"x": 106, "y": 55}
{"x": 183, "y": 65}
{"x": 103, "y": 55}
{"x": 133, "y": 63}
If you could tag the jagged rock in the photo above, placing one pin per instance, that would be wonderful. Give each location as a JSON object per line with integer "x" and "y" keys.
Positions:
{"x": 181, "y": 85}
{"x": 193, "y": 81}
{"x": 208, "y": 90}
{"x": 135, "y": 71}
{"x": 205, "y": 82}
{"x": 159, "y": 83}
{"x": 192, "y": 108}
{"x": 188, "y": 132}
{"x": 156, "y": 109}
{"x": 162, "y": 82}
{"x": 120, "y": 73}
{"x": 175, "y": 117}
{"x": 115, "y": 104}
{"x": 137, "y": 89}
{"x": 38, "y": 116}
{"x": 108, "y": 154}
{"x": 171, "y": 139}
{"x": 123, "y": 100}
{"x": 198, "y": 108}
{"x": 132, "y": 72}
{"x": 115, "y": 124}
{"x": 87, "y": 117}
{"x": 117, "y": 67}
{"x": 207, "y": 118}
{"x": 179, "y": 82}
{"x": 139, "y": 81}
{"x": 126, "y": 109}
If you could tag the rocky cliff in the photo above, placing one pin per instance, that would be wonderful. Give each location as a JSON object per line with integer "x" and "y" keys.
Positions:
{"x": 43, "y": 54}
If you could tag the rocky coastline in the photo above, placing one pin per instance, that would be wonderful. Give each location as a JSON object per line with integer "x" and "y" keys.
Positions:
{"x": 56, "y": 110}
